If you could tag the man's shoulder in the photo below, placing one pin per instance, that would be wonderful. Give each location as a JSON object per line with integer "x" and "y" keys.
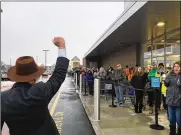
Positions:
{"x": 37, "y": 90}
{"x": 4, "y": 94}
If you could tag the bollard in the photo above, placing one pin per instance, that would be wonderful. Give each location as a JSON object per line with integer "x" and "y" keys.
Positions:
{"x": 74, "y": 77}
{"x": 76, "y": 81}
{"x": 97, "y": 99}
{"x": 80, "y": 87}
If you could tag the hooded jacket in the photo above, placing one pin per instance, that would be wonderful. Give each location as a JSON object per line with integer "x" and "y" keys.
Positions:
{"x": 173, "y": 94}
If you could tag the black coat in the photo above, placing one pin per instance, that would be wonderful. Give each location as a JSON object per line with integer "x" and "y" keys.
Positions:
{"x": 138, "y": 82}
{"x": 24, "y": 108}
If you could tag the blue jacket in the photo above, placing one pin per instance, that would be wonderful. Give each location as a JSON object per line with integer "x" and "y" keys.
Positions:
{"x": 90, "y": 79}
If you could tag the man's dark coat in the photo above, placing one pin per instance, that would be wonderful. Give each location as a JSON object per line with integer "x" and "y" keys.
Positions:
{"x": 24, "y": 107}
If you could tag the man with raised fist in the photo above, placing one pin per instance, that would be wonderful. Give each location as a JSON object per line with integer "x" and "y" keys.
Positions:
{"x": 24, "y": 107}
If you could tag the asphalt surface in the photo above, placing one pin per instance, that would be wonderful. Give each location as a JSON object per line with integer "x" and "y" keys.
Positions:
{"x": 75, "y": 119}
{"x": 68, "y": 112}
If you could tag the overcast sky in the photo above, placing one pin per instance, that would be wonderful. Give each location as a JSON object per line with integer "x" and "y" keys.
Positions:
{"x": 28, "y": 28}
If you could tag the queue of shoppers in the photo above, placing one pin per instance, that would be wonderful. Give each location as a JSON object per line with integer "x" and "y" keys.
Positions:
{"x": 139, "y": 78}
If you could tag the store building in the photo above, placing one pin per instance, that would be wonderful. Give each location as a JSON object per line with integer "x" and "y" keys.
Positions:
{"x": 144, "y": 33}
{"x": 75, "y": 62}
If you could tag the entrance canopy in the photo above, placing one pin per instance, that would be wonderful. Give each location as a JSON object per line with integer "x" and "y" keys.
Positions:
{"x": 135, "y": 25}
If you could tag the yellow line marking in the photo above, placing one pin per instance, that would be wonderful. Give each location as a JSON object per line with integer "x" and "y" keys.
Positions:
{"x": 58, "y": 118}
{"x": 52, "y": 110}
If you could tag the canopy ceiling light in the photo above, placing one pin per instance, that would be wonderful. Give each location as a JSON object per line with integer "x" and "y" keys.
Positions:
{"x": 178, "y": 41}
{"x": 160, "y": 24}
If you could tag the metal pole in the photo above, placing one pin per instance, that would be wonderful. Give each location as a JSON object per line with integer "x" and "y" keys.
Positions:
{"x": 76, "y": 81}
{"x": 80, "y": 87}
{"x": 156, "y": 126}
{"x": 165, "y": 42}
{"x": 10, "y": 61}
{"x": 97, "y": 99}
{"x": 37, "y": 59}
{"x": 45, "y": 57}
{"x": 152, "y": 45}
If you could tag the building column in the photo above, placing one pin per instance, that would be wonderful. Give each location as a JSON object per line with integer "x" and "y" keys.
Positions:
{"x": 86, "y": 62}
{"x": 139, "y": 54}
{"x": 99, "y": 62}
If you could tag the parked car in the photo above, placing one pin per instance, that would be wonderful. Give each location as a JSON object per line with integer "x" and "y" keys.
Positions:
{"x": 4, "y": 76}
{"x": 45, "y": 73}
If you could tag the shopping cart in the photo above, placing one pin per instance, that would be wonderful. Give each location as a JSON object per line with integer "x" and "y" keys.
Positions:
{"x": 129, "y": 95}
{"x": 106, "y": 86}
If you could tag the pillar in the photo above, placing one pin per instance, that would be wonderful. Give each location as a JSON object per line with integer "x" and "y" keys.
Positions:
{"x": 139, "y": 54}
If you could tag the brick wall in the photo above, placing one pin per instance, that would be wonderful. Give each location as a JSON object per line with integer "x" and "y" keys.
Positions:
{"x": 124, "y": 57}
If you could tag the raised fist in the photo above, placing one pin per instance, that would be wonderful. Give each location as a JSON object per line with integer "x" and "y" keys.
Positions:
{"x": 59, "y": 42}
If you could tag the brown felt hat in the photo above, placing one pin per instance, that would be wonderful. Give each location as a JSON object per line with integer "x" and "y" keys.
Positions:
{"x": 25, "y": 70}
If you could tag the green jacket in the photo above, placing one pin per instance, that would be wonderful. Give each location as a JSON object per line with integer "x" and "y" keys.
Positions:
{"x": 153, "y": 73}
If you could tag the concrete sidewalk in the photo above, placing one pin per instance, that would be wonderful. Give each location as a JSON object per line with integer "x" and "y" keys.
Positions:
{"x": 121, "y": 120}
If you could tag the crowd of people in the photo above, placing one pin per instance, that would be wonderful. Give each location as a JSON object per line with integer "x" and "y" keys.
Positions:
{"x": 140, "y": 80}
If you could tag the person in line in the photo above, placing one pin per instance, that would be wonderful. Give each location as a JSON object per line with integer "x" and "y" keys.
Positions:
{"x": 131, "y": 91}
{"x": 109, "y": 76}
{"x": 130, "y": 73}
{"x": 152, "y": 73}
{"x": 138, "y": 81}
{"x": 160, "y": 72}
{"x": 173, "y": 98}
{"x": 90, "y": 82}
{"x": 164, "y": 91}
{"x": 102, "y": 73}
{"x": 118, "y": 77}
{"x": 95, "y": 74}
{"x": 24, "y": 108}
{"x": 83, "y": 73}
{"x": 102, "y": 76}
{"x": 109, "y": 73}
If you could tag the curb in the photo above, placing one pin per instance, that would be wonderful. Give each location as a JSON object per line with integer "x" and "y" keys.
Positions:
{"x": 94, "y": 124}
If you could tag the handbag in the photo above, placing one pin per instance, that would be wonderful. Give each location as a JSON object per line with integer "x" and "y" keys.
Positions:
{"x": 131, "y": 92}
